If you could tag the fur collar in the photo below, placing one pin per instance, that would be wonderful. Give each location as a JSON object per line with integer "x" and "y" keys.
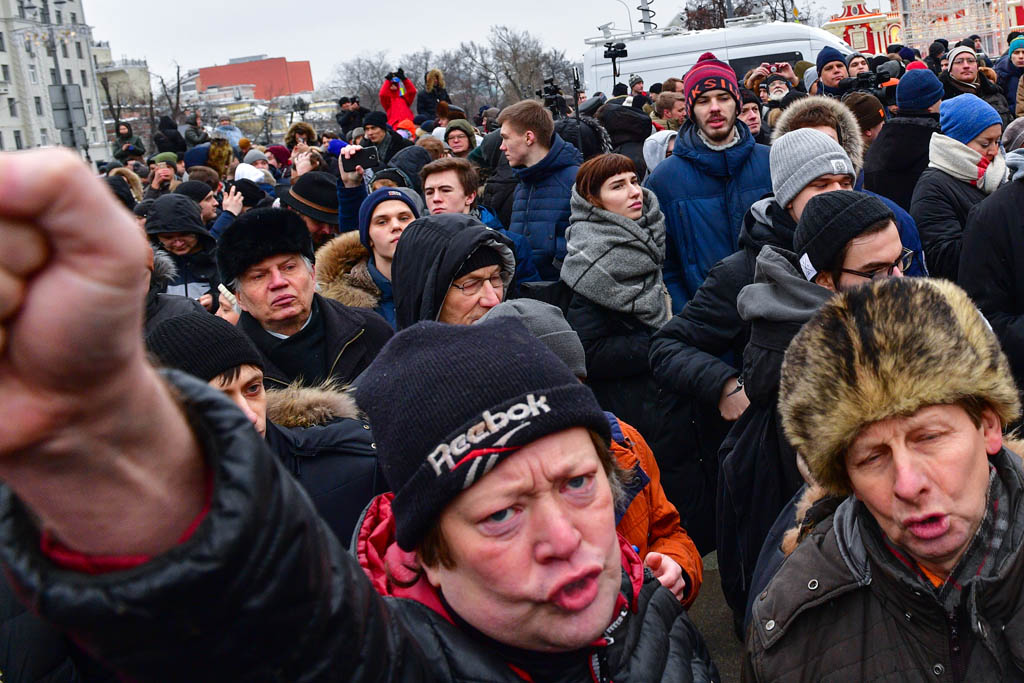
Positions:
{"x": 848, "y": 127}
{"x": 132, "y": 179}
{"x": 300, "y": 406}
{"x": 342, "y": 272}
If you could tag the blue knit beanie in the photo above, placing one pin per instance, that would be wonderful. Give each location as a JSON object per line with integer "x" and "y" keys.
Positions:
{"x": 827, "y": 55}
{"x": 1016, "y": 44}
{"x": 370, "y": 204}
{"x": 918, "y": 90}
{"x": 965, "y": 116}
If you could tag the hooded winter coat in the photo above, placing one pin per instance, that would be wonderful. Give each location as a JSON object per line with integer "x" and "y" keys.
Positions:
{"x": 134, "y": 142}
{"x": 168, "y": 138}
{"x": 430, "y": 253}
{"x": 705, "y": 194}
{"x": 343, "y": 274}
{"x": 758, "y": 472}
{"x": 194, "y": 134}
{"x": 540, "y": 207}
{"x": 322, "y": 439}
{"x": 159, "y": 305}
{"x": 984, "y": 88}
{"x": 501, "y": 179}
{"x": 992, "y": 268}
{"x": 196, "y": 273}
{"x": 298, "y": 128}
{"x": 396, "y": 104}
{"x": 291, "y": 604}
{"x": 656, "y": 148}
{"x": 350, "y": 120}
{"x": 628, "y": 128}
{"x": 897, "y": 158}
{"x": 940, "y": 207}
{"x": 432, "y": 93}
{"x": 842, "y": 605}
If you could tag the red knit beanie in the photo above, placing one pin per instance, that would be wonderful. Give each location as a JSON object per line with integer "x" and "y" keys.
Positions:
{"x": 709, "y": 74}
{"x": 916, "y": 65}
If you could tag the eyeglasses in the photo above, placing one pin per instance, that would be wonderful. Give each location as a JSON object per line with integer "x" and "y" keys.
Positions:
{"x": 960, "y": 61}
{"x": 904, "y": 262}
{"x": 470, "y": 287}
{"x": 457, "y": 136}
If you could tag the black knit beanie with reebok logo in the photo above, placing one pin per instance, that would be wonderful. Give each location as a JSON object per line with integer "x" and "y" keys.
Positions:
{"x": 449, "y": 402}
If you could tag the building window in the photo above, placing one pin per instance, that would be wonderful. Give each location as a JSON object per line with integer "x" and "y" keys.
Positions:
{"x": 95, "y": 137}
{"x": 39, "y": 105}
{"x": 17, "y": 140}
{"x": 85, "y": 81}
{"x": 74, "y": 18}
{"x": 49, "y": 50}
{"x": 6, "y": 70}
{"x": 1, "y": 141}
{"x": 67, "y": 73}
{"x": 54, "y": 78}
{"x": 88, "y": 106}
{"x": 12, "y": 106}
{"x": 60, "y": 17}
{"x": 44, "y": 137}
{"x": 78, "y": 49}
{"x": 3, "y": 45}
{"x": 64, "y": 50}
{"x": 33, "y": 75}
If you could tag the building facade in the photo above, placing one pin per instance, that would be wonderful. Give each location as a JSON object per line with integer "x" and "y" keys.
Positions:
{"x": 867, "y": 31}
{"x": 273, "y": 77}
{"x": 46, "y": 43}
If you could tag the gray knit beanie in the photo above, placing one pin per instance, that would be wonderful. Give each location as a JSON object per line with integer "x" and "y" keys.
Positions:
{"x": 254, "y": 155}
{"x": 797, "y": 158}
{"x": 546, "y": 323}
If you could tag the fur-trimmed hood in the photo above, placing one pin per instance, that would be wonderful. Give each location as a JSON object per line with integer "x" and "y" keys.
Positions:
{"x": 301, "y": 406}
{"x": 134, "y": 183}
{"x": 300, "y": 127}
{"x": 342, "y": 272}
{"x": 849, "y": 129}
{"x": 434, "y": 79}
{"x": 164, "y": 271}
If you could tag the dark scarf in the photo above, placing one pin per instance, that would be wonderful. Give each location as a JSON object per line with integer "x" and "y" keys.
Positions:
{"x": 304, "y": 354}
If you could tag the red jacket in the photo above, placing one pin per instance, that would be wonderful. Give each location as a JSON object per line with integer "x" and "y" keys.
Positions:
{"x": 396, "y": 105}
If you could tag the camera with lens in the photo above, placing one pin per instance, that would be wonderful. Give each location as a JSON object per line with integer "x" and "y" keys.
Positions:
{"x": 868, "y": 82}
{"x": 553, "y": 98}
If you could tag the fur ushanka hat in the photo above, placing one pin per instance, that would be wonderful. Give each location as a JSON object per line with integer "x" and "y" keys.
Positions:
{"x": 885, "y": 350}
{"x": 259, "y": 234}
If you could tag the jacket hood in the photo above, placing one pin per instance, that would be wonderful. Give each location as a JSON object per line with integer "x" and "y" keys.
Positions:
{"x": 625, "y": 124}
{"x": 411, "y": 160}
{"x": 178, "y": 213}
{"x": 656, "y": 148}
{"x": 430, "y": 253}
{"x": 134, "y": 183}
{"x": 779, "y": 293}
{"x": 434, "y": 79}
{"x": 711, "y": 162}
{"x": 164, "y": 270}
{"x": 167, "y": 123}
{"x": 595, "y": 138}
{"x": 849, "y": 129}
{"x": 300, "y": 127}
{"x": 129, "y": 127}
{"x": 301, "y": 406}
{"x": 342, "y": 274}
{"x": 766, "y": 223}
{"x": 562, "y": 155}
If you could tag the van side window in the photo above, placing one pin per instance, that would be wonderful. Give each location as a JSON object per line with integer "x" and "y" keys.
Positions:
{"x": 742, "y": 65}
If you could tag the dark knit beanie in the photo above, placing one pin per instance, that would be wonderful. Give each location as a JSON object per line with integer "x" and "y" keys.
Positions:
{"x": 376, "y": 118}
{"x": 866, "y": 109}
{"x": 918, "y": 90}
{"x": 197, "y": 156}
{"x": 442, "y": 426}
{"x": 481, "y": 258}
{"x": 749, "y": 97}
{"x": 194, "y": 190}
{"x": 202, "y": 345}
{"x": 829, "y": 222}
{"x": 828, "y": 55}
{"x": 370, "y": 204}
{"x": 906, "y": 54}
{"x": 257, "y": 235}
{"x": 709, "y": 74}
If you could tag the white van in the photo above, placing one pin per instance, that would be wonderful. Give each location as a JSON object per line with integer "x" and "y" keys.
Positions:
{"x": 671, "y": 51}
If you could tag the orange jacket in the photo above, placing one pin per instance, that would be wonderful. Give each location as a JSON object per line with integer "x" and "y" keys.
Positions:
{"x": 651, "y": 522}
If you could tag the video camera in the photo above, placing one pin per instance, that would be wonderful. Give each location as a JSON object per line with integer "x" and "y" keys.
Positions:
{"x": 553, "y": 98}
{"x": 868, "y": 82}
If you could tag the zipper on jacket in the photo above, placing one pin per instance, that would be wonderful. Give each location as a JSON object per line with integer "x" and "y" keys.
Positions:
{"x": 956, "y": 654}
{"x": 343, "y": 348}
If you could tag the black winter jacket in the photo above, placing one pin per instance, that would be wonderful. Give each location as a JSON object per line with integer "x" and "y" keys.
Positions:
{"x": 940, "y": 207}
{"x": 196, "y": 274}
{"x": 897, "y": 158}
{"x": 628, "y": 128}
{"x": 427, "y": 101}
{"x": 992, "y": 268}
{"x": 169, "y": 139}
{"x": 353, "y": 337}
{"x": 501, "y": 180}
{"x": 160, "y": 306}
{"x": 428, "y": 256}
{"x": 350, "y": 120}
{"x": 262, "y": 591}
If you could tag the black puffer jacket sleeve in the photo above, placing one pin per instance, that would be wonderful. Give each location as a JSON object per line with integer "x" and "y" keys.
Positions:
{"x": 614, "y": 347}
{"x": 261, "y": 592}
{"x": 685, "y": 352}
{"x": 940, "y": 207}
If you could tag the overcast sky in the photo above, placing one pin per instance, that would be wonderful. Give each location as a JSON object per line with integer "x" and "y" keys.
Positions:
{"x": 325, "y": 32}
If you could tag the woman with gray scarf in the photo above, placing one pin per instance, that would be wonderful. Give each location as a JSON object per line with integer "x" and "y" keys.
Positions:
{"x": 615, "y": 247}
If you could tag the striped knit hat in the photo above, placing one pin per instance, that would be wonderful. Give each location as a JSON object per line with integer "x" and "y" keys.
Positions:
{"x": 709, "y": 74}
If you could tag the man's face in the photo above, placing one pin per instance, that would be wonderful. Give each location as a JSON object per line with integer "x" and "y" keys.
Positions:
{"x": 964, "y": 68}
{"x": 944, "y": 64}
{"x": 179, "y": 243}
{"x": 677, "y": 112}
{"x": 832, "y": 73}
{"x": 261, "y": 165}
{"x": 319, "y": 231}
{"x": 483, "y": 290}
{"x": 1017, "y": 57}
{"x": 246, "y": 391}
{"x": 388, "y": 221}
{"x": 977, "y": 45}
{"x": 679, "y": 87}
{"x": 715, "y": 115}
{"x": 444, "y": 193}
{"x": 515, "y": 145}
{"x": 750, "y": 114}
{"x": 224, "y": 122}
{"x": 777, "y": 90}
{"x": 537, "y": 561}
{"x": 278, "y": 292}
{"x": 820, "y": 185}
{"x": 208, "y": 207}
{"x": 858, "y": 65}
{"x": 459, "y": 142}
{"x": 924, "y": 478}
{"x": 873, "y": 254}
{"x": 122, "y": 129}
{"x": 374, "y": 133}
{"x": 638, "y": 87}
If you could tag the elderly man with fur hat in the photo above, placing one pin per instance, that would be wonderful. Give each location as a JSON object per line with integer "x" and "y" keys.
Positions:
{"x": 266, "y": 258}
{"x": 918, "y": 574}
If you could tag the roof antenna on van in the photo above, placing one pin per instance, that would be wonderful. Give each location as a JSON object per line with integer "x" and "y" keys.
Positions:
{"x": 647, "y": 15}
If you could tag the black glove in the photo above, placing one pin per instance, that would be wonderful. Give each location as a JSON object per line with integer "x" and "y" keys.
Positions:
{"x": 401, "y": 73}
{"x": 389, "y": 76}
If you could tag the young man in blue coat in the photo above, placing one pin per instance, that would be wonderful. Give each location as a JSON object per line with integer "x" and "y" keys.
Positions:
{"x": 716, "y": 172}
{"x": 546, "y": 166}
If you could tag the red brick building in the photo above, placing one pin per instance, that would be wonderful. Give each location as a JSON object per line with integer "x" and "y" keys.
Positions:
{"x": 272, "y": 77}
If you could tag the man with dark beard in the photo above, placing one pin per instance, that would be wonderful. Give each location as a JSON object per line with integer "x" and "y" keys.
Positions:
{"x": 715, "y": 173}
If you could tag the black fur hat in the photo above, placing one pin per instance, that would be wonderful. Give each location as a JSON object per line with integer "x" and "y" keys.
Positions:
{"x": 259, "y": 234}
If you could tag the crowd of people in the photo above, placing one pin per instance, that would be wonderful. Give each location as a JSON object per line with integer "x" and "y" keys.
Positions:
{"x": 455, "y": 396}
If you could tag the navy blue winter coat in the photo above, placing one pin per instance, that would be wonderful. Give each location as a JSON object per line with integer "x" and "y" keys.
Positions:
{"x": 704, "y": 195}
{"x": 540, "y": 206}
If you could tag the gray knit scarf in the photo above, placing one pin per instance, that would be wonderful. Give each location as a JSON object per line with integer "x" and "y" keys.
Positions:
{"x": 615, "y": 261}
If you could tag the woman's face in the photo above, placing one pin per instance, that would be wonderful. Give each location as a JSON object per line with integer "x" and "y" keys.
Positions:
{"x": 122, "y": 129}
{"x": 987, "y": 144}
{"x": 622, "y": 194}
